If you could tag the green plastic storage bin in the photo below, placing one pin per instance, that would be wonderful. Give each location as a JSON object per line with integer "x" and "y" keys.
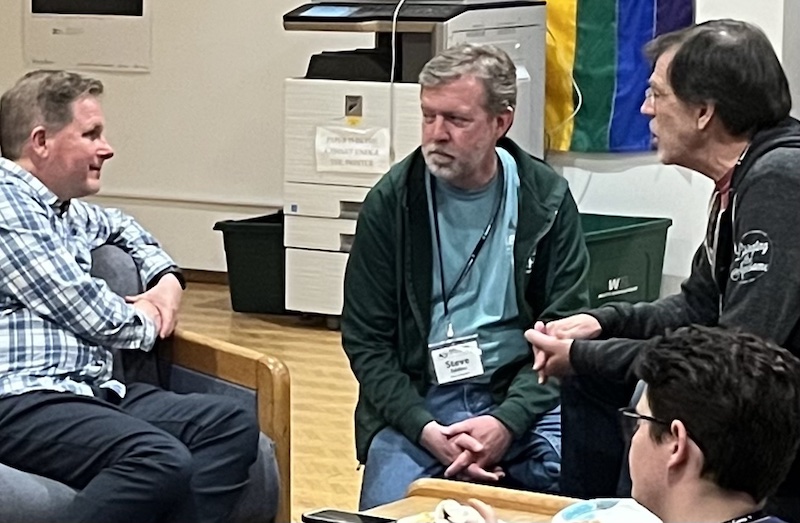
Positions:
{"x": 256, "y": 263}
{"x": 627, "y": 257}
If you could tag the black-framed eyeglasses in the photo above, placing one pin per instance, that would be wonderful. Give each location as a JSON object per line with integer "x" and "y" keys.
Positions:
{"x": 629, "y": 419}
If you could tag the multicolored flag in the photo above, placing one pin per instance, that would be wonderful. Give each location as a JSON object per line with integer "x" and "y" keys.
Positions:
{"x": 598, "y": 44}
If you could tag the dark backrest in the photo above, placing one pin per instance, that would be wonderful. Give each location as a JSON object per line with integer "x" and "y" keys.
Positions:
{"x": 117, "y": 268}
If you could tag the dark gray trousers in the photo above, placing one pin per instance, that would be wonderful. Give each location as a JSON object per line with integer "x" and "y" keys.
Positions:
{"x": 151, "y": 456}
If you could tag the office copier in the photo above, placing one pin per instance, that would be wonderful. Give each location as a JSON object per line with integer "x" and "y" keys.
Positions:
{"x": 356, "y": 113}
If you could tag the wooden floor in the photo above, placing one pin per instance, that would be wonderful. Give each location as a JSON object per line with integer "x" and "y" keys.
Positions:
{"x": 324, "y": 467}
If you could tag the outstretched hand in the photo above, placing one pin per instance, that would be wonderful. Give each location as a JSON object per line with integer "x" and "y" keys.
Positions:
{"x": 550, "y": 354}
{"x": 576, "y": 327}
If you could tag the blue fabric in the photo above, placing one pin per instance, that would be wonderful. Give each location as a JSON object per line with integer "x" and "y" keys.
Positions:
{"x": 630, "y": 129}
{"x": 485, "y": 300}
{"x": 57, "y": 323}
{"x": 394, "y": 462}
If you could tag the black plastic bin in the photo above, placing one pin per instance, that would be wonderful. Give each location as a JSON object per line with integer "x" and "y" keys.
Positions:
{"x": 256, "y": 268}
{"x": 627, "y": 257}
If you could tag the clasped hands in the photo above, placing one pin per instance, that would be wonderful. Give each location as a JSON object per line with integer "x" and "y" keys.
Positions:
{"x": 552, "y": 343}
{"x": 160, "y": 303}
{"x": 470, "y": 449}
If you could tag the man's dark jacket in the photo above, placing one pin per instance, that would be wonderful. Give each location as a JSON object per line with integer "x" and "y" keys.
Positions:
{"x": 755, "y": 285}
{"x": 387, "y": 296}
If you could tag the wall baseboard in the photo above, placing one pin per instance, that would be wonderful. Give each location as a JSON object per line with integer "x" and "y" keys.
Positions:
{"x": 201, "y": 276}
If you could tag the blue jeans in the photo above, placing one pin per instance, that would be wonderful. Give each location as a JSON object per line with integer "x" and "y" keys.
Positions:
{"x": 393, "y": 462}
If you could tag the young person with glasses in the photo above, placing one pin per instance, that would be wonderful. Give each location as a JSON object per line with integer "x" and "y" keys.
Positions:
{"x": 716, "y": 429}
{"x": 719, "y": 102}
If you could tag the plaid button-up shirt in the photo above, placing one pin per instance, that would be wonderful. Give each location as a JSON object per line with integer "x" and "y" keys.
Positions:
{"x": 57, "y": 323}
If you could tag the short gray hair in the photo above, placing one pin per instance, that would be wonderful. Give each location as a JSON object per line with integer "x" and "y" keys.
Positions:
{"x": 488, "y": 63}
{"x": 40, "y": 98}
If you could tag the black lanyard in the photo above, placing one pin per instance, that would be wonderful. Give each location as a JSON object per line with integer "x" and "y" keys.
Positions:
{"x": 471, "y": 260}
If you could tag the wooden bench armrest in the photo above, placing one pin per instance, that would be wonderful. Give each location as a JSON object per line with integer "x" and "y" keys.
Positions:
{"x": 498, "y": 497}
{"x": 267, "y": 375}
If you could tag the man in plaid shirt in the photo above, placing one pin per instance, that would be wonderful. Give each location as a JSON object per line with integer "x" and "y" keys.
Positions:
{"x": 135, "y": 452}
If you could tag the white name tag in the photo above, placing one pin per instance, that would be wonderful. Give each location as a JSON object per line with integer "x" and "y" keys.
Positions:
{"x": 456, "y": 359}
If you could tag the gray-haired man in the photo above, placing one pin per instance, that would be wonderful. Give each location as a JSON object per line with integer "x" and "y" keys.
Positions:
{"x": 459, "y": 248}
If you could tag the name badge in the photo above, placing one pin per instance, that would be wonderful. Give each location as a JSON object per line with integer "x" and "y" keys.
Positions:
{"x": 456, "y": 359}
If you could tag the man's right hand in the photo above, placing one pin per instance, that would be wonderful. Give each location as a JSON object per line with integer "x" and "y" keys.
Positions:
{"x": 577, "y": 327}
{"x": 447, "y": 450}
{"x": 149, "y": 310}
{"x": 495, "y": 437}
{"x": 166, "y": 297}
{"x": 443, "y": 448}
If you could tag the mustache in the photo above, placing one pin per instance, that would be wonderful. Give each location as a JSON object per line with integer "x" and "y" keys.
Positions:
{"x": 433, "y": 149}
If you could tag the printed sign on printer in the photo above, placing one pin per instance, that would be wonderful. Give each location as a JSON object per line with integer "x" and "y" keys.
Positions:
{"x": 346, "y": 149}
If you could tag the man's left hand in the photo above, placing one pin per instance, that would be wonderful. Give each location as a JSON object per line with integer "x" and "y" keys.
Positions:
{"x": 550, "y": 354}
{"x": 490, "y": 432}
{"x": 166, "y": 297}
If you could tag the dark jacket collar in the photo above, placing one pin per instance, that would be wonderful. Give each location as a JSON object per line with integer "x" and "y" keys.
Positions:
{"x": 785, "y": 134}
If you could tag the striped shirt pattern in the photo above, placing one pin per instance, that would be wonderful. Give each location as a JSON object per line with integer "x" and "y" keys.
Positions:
{"x": 57, "y": 323}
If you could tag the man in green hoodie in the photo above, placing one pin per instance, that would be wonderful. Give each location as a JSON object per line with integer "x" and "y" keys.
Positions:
{"x": 459, "y": 248}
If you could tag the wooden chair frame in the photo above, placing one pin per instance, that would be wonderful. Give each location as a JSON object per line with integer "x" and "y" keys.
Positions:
{"x": 498, "y": 497}
{"x": 267, "y": 375}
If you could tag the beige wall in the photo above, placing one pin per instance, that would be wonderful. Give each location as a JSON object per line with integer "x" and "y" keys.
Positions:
{"x": 200, "y": 139}
{"x": 637, "y": 185}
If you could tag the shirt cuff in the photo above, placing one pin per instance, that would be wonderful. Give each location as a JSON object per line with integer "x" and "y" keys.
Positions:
{"x": 150, "y": 334}
{"x": 169, "y": 270}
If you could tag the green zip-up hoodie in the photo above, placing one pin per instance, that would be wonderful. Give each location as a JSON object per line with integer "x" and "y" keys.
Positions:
{"x": 387, "y": 296}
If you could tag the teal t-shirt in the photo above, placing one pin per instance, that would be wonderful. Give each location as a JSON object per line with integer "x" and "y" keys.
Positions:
{"x": 484, "y": 302}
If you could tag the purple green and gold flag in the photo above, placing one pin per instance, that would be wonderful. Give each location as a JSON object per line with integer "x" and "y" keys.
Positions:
{"x": 598, "y": 43}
